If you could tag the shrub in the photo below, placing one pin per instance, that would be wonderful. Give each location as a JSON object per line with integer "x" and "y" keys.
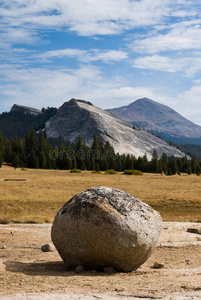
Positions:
{"x": 4, "y": 221}
{"x": 75, "y": 171}
{"x": 111, "y": 172}
{"x": 96, "y": 172}
{"x": 169, "y": 172}
{"x": 132, "y": 172}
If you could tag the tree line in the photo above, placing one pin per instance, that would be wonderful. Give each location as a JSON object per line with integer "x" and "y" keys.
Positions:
{"x": 34, "y": 151}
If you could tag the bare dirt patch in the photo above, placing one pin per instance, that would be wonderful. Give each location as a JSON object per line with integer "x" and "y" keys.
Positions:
{"x": 28, "y": 273}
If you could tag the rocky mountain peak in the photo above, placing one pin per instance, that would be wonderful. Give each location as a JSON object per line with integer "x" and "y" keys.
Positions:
{"x": 159, "y": 119}
{"x": 81, "y": 101}
{"x": 81, "y": 118}
{"x": 26, "y": 109}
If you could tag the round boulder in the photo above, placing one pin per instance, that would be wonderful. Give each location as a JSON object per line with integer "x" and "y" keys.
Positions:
{"x": 103, "y": 227}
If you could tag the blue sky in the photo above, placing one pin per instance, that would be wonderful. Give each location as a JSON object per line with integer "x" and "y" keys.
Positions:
{"x": 109, "y": 52}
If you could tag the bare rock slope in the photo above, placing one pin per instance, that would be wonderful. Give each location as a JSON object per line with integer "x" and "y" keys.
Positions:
{"x": 26, "y": 109}
{"x": 105, "y": 227}
{"x": 159, "y": 119}
{"x": 79, "y": 117}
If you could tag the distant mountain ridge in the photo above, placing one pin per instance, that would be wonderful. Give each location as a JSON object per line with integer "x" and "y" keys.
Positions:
{"x": 81, "y": 118}
{"x": 26, "y": 109}
{"x": 20, "y": 119}
{"x": 159, "y": 119}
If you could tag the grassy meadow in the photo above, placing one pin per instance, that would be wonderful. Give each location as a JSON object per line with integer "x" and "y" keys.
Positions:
{"x": 38, "y": 198}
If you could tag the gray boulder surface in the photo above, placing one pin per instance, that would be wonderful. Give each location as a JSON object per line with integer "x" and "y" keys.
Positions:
{"x": 105, "y": 227}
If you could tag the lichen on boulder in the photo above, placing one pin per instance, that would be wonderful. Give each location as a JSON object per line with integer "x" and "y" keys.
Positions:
{"x": 105, "y": 227}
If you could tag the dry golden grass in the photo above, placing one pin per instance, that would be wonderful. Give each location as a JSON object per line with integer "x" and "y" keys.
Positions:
{"x": 177, "y": 198}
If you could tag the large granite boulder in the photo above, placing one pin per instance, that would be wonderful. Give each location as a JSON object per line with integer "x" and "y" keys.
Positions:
{"x": 105, "y": 227}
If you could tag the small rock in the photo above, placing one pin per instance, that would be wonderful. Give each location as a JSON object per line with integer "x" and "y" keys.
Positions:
{"x": 4, "y": 247}
{"x": 194, "y": 230}
{"x": 12, "y": 233}
{"x": 79, "y": 269}
{"x": 187, "y": 261}
{"x": 158, "y": 265}
{"x": 47, "y": 248}
{"x": 109, "y": 270}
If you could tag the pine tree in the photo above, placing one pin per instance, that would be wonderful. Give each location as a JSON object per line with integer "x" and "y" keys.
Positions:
{"x": 1, "y": 159}
{"x": 94, "y": 145}
{"x": 83, "y": 167}
{"x": 145, "y": 163}
{"x": 184, "y": 164}
{"x": 79, "y": 153}
{"x": 169, "y": 172}
{"x": 154, "y": 164}
{"x": 33, "y": 161}
{"x": 69, "y": 164}
{"x": 189, "y": 171}
{"x": 118, "y": 164}
{"x": 93, "y": 165}
{"x": 2, "y": 143}
{"x": 109, "y": 155}
{"x": 164, "y": 163}
{"x": 74, "y": 163}
{"x": 42, "y": 144}
{"x": 198, "y": 170}
{"x": 95, "y": 150}
{"x": 97, "y": 167}
{"x": 193, "y": 164}
{"x": 30, "y": 142}
{"x": 42, "y": 160}
{"x": 123, "y": 161}
{"x": 173, "y": 165}
{"x": 104, "y": 165}
{"x": 129, "y": 162}
{"x": 8, "y": 153}
{"x": 16, "y": 161}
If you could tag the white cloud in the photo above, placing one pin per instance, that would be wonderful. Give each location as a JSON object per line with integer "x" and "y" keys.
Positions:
{"x": 181, "y": 36}
{"x": 85, "y": 55}
{"x": 45, "y": 87}
{"x": 150, "y": 22}
{"x": 109, "y": 56}
{"x": 190, "y": 104}
{"x": 188, "y": 65}
{"x": 87, "y": 17}
{"x": 157, "y": 63}
{"x": 42, "y": 87}
{"x": 193, "y": 95}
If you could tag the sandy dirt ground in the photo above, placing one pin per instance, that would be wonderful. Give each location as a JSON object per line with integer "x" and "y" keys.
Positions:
{"x": 28, "y": 273}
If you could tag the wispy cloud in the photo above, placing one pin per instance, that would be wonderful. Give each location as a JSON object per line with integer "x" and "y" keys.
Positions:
{"x": 86, "y": 17}
{"x": 177, "y": 37}
{"x": 190, "y": 103}
{"x": 188, "y": 65}
{"x": 40, "y": 86}
{"x": 85, "y": 55}
{"x": 37, "y": 38}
